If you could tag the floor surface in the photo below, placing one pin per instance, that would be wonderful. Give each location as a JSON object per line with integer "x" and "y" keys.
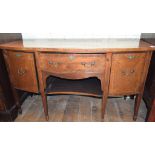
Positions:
{"x": 72, "y": 108}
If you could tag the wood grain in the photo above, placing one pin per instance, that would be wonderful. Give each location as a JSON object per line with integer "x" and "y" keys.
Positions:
{"x": 126, "y": 72}
{"x": 116, "y": 63}
{"x": 72, "y": 63}
{"x": 72, "y": 108}
{"x": 106, "y": 46}
{"x": 21, "y": 67}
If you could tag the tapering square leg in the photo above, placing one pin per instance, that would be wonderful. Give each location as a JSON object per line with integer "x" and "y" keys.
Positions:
{"x": 44, "y": 101}
{"x": 104, "y": 102}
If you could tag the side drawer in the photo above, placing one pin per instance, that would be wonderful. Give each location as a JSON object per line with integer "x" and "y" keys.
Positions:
{"x": 22, "y": 70}
{"x": 72, "y": 63}
{"x": 126, "y": 73}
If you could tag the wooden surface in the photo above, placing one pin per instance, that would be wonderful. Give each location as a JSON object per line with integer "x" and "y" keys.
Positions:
{"x": 79, "y": 46}
{"x": 72, "y": 108}
{"x": 22, "y": 72}
{"x": 127, "y": 70}
{"x": 72, "y": 63}
{"x": 87, "y": 87}
{"x": 121, "y": 65}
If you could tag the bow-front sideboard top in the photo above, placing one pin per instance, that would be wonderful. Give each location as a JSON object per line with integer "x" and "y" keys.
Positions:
{"x": 95, "y": 67}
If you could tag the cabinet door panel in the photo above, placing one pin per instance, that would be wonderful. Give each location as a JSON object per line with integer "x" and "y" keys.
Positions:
{"x": 126, "y": 73}
{"x": 22, "y": 70}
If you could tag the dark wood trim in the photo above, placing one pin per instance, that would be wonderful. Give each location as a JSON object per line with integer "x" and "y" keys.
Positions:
{"x": 151, "y": 113}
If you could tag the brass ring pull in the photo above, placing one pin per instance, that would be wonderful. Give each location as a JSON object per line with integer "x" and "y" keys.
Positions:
{"x": 128, "y": 72}
{"x": 21, "y": 72}
{"x": 132, "y": 71}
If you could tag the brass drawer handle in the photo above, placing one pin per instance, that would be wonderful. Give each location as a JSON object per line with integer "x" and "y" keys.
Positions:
{"x": 130, "y": 57}
{"x": 18, "y": 55}
{"x": 71, "y": 57}
{"x": 21, "y": 72}
{"x": 128, "y": 72}
{"x": 88, "y": 64}
{"x": 55, "y": 64}
{"x": 132, "y": 71}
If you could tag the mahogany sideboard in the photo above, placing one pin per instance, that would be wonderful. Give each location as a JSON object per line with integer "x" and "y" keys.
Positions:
{"x": 121, "y": 66}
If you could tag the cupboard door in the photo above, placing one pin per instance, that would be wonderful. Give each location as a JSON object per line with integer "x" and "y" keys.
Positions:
{"x": 22, "y": 70}
{"x": 126, "y": 73}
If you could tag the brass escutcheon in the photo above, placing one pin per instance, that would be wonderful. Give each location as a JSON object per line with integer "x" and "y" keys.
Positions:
{"x": 71, "y": 57}
{"x": 21, "y": 71}
{"x": 18, "y": 55}
{"x": 131, "y": 57}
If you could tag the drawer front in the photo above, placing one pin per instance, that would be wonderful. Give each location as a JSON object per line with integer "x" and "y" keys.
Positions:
{"x": 126, "y": 72}
{"x": 22, "y": 70}
{"x": 72, "y": 63}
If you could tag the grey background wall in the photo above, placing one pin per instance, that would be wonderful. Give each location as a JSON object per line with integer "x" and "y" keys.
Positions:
{"x": 148, "y": 35}
{"x": 6, "y": 37}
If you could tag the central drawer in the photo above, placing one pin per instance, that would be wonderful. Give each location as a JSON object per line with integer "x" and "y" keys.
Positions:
{"x": 72, "y": 63}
